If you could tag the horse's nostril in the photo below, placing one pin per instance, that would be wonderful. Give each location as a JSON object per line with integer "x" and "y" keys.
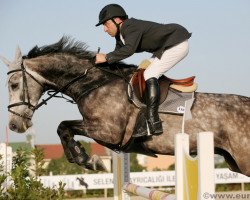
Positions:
{"x": 12, "y": 127}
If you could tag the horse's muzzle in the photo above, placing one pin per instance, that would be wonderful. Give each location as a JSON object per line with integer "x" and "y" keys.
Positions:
{"x": 20, "y": 126}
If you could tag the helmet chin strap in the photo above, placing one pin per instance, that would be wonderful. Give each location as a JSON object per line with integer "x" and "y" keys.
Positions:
{"x": 117, "y": 26}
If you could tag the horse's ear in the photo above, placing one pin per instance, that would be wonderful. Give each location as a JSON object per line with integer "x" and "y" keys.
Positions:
{"x": 17, "y": 62}
{"x": 5, "y": 60}
{"x": 18, "y": 56}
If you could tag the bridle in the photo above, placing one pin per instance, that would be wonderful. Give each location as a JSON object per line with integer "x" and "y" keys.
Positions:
{"x": 25, "y": 88}
{"x": 25, "y": 91}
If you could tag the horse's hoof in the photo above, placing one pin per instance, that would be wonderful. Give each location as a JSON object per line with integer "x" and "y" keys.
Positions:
{"x": 95, "y": 163}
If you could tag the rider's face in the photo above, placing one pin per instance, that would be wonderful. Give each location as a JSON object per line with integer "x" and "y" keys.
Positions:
{"x": 110, "y": 28}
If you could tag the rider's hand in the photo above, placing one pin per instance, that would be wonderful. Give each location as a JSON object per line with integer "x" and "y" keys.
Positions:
{"x": 100, "y": 58}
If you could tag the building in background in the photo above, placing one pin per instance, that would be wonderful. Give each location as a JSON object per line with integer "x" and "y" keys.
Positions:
{"x": 104, "y": 153}
{"x": 55, "y": 151}
{"x": 163, "y": 162}
{"x": 51, "y": 151}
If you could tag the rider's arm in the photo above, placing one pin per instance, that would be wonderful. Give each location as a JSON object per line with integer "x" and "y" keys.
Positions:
{"x": 132, "y": 37}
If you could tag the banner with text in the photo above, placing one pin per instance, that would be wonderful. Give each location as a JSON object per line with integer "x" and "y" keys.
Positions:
{"x": 148, "y": 179}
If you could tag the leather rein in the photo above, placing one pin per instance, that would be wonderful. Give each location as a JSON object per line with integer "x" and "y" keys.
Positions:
{"x": 25, "y": 88}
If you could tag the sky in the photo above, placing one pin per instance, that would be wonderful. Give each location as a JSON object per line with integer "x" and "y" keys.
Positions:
{"x": 218, "y": 56}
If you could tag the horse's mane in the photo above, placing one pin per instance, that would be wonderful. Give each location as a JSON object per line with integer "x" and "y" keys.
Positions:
{"x": 69, "y": 46}
{"x": 64, "y": 45}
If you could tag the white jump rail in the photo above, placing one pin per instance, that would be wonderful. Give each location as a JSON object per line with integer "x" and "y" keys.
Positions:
{"x": 184, "y": 187}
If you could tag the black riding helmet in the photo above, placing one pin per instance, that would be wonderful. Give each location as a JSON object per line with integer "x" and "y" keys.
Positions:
{"x": 110, "y": 11}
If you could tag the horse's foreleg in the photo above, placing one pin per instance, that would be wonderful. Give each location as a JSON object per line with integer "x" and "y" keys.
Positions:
{"x": 73, "y": 150}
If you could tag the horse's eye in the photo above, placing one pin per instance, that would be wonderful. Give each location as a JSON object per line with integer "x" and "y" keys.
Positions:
{"x": 14, "y": 86}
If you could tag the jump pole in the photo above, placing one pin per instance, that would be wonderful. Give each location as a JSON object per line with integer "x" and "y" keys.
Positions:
{"x": 199, "y": 168}
{"x": 148, "y": 193}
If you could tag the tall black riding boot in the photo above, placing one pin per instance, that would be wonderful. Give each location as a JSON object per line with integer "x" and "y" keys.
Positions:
{"x": 152, "y": 101}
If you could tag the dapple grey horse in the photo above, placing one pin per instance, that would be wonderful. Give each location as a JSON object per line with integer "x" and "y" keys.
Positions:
{"x": 108, "y": 116}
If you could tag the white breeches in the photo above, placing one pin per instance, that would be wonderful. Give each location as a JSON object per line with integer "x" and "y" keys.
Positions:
{"x": 169, "y": 58}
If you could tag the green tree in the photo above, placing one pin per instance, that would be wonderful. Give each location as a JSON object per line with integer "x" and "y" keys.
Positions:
{"x": 25, "y": 186}
{"x": 3, "y": 177}
{"x": 38, "y": 156}
{"x": 20, "y": 172}
{"x": 62, "y": 166}
{"x": 171, "y": 167}
{"x": 134, "y": 165}
{"x": 221, "y": 165}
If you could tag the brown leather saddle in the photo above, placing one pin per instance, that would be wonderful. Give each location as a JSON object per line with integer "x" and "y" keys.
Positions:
{"x": 139, "y": 85}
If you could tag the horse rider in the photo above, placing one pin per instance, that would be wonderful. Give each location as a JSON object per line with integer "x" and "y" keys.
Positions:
{"x": 167, "y": 42}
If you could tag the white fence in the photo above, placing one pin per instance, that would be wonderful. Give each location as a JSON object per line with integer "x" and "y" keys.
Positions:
{"x": 6, "y": 161}
{"x": 147, "y": 179}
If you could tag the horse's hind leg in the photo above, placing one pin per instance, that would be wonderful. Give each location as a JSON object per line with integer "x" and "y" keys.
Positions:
{"x": 74, "y": 151}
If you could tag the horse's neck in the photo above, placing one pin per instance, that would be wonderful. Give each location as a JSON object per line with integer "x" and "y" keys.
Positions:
{"x": 57, "y": 72}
